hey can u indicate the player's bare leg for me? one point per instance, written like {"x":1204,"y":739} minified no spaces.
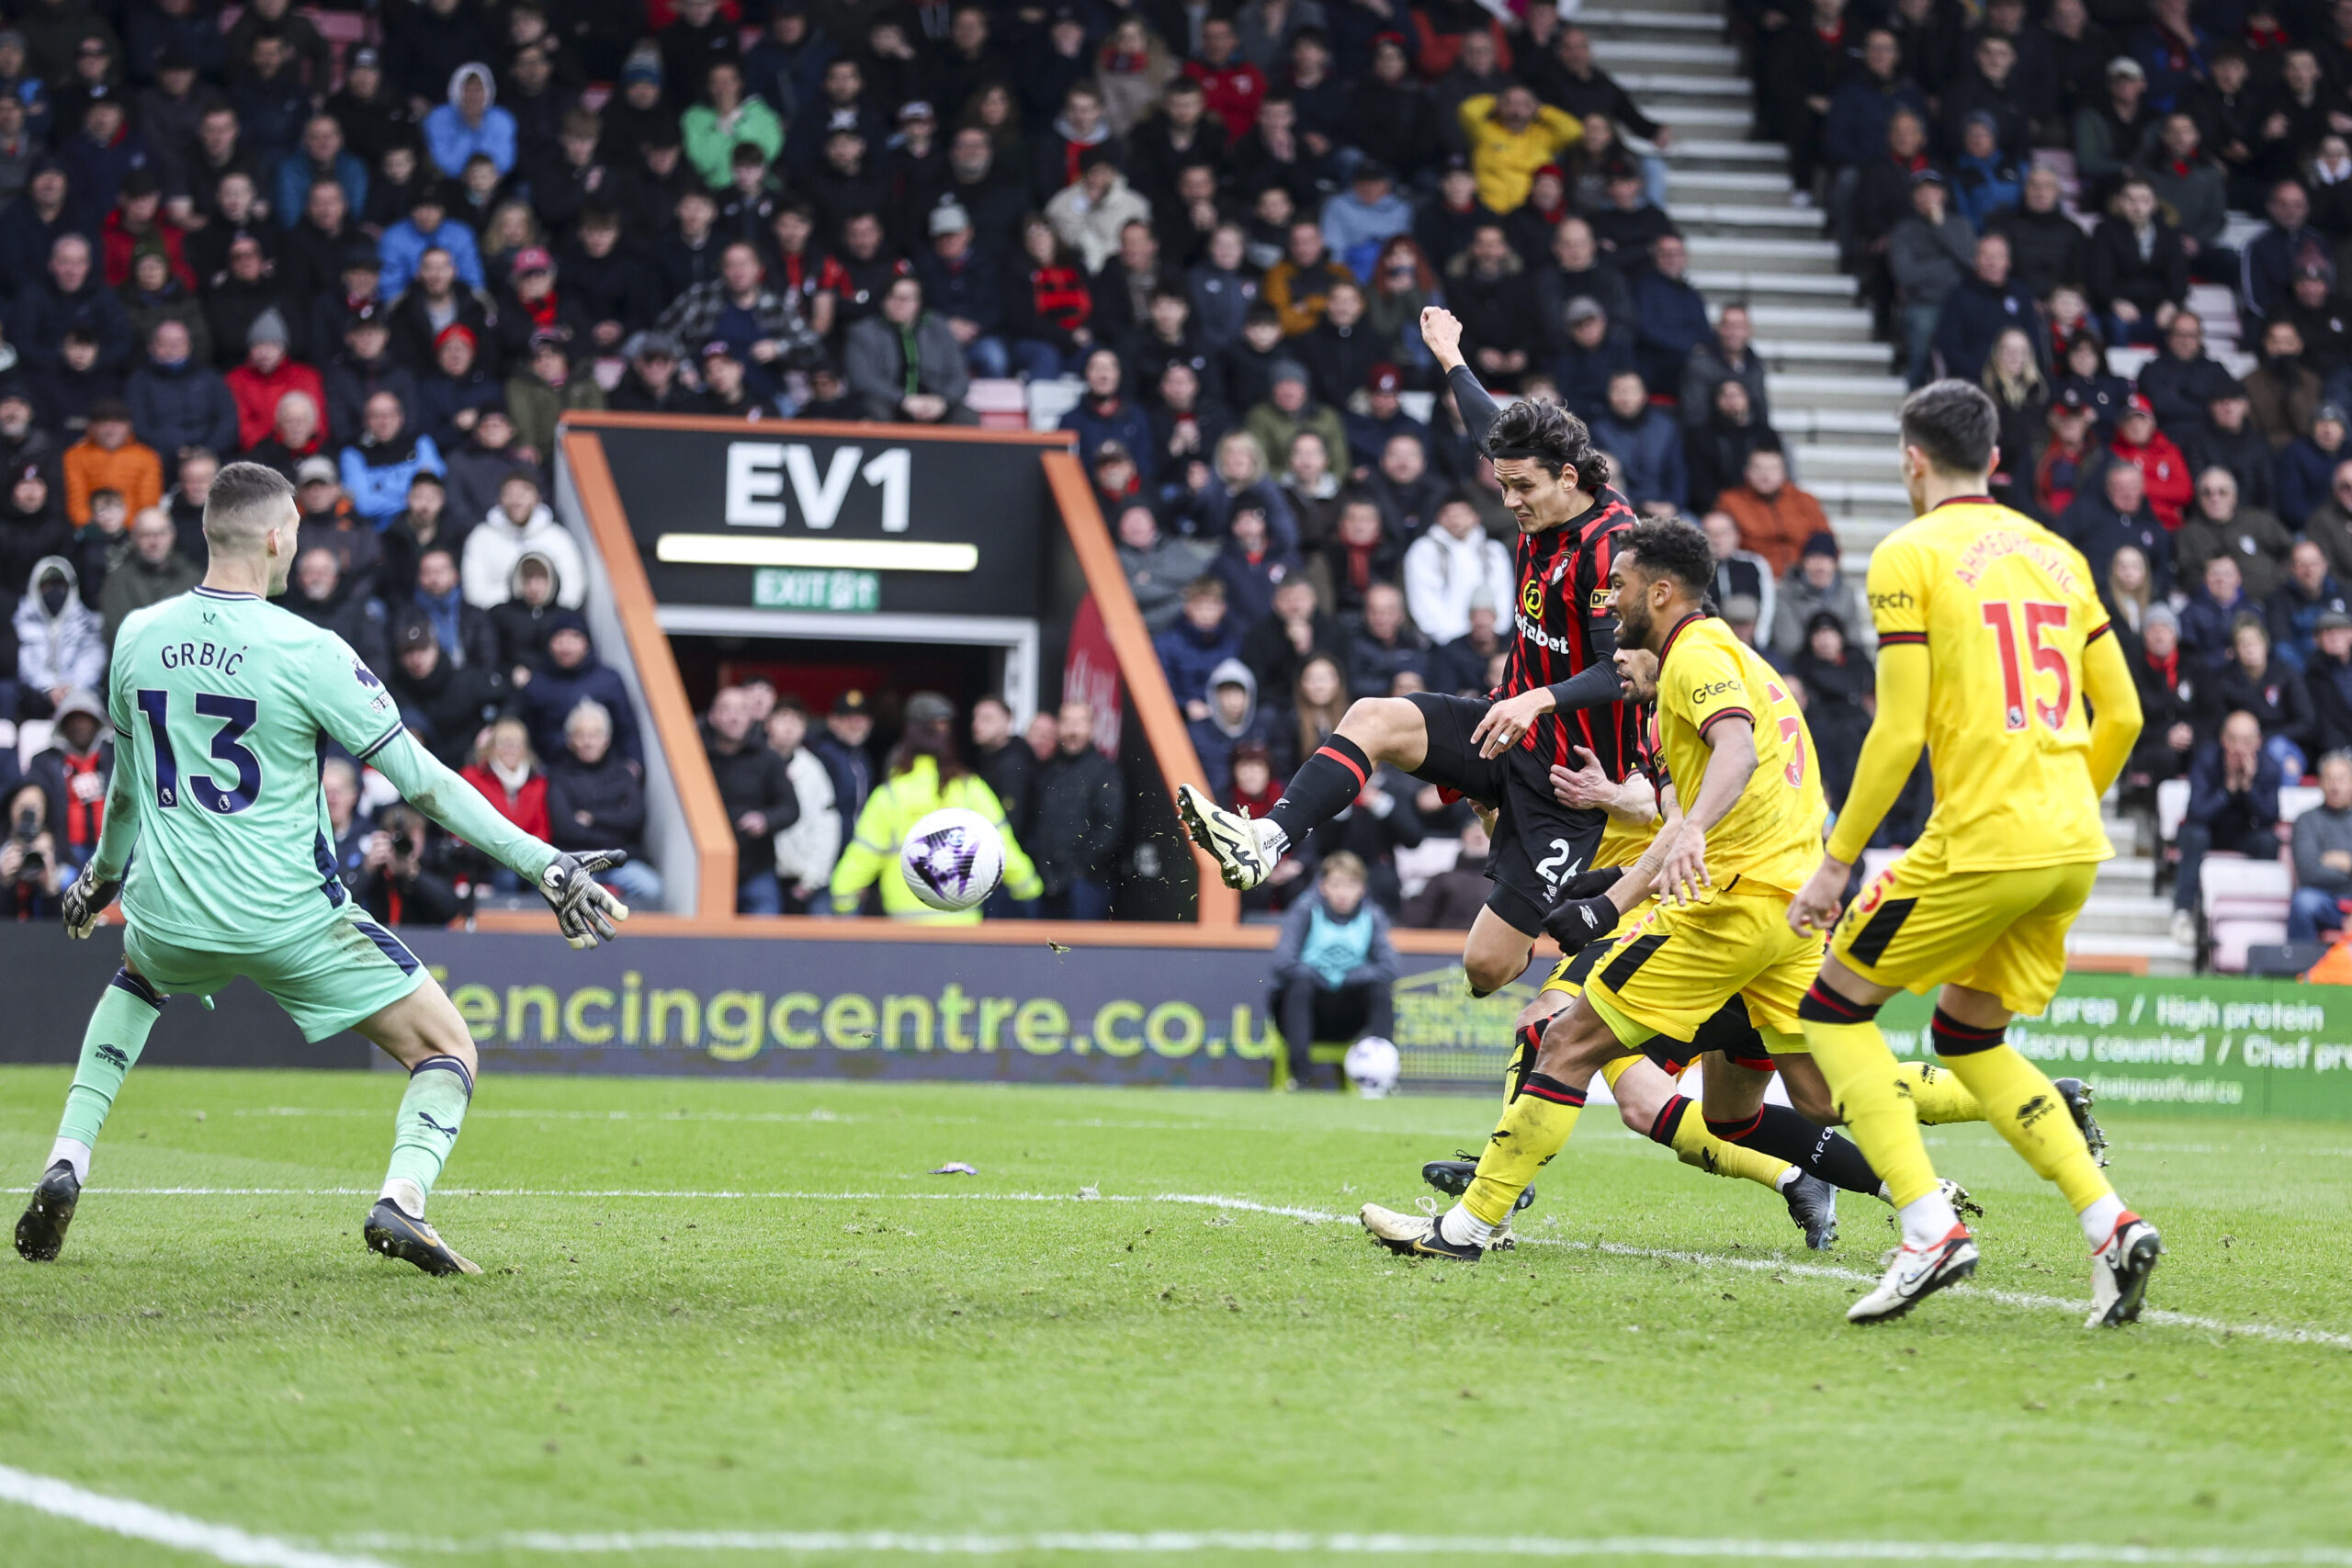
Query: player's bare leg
{"x":117,"y":1033}
{"x":1373,"y":731}
{"x":422,"y":1032}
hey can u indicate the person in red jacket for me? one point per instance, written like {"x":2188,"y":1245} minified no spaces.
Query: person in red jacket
{"x":2139,"y":443}
{"x":267,"y":375}
{"x":507,"y":772}
{"x":1232,"y":87}
{"x":136,"y":226}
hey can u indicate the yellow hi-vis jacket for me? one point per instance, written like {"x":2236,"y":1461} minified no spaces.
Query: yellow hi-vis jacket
{"x":896,"y":805}
{"x":1505,"y":160}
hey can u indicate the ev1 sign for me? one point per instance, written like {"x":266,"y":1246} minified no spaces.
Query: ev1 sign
{"x":757,"y":472}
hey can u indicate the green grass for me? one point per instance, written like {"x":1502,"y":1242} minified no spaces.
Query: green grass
{"x":912,"y":1364}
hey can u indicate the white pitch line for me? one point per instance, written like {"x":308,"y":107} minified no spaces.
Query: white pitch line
{"x":2276,"y":1333}
{"x":1307,"y":1544}
{"x":120,"y":1516}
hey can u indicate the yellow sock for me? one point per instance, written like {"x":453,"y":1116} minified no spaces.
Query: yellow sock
{"x":1937,"y":1095}
{"x":1686,"y":1128}
{"x":2019,"y":1101}
{"x":1861,"y":1072}
{"x":1534,"y":1127}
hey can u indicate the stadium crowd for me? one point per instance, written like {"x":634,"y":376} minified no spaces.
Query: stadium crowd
{"x":388,"y":261}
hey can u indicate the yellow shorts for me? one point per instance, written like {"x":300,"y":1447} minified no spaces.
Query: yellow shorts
{"x":1676,"y":966}
{"x":1567,"y":975}
{"x":1919,"y":925}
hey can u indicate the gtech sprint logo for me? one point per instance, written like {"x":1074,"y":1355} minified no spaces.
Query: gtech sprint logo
{"x":1898,"y":600}
{"x":1719,"y":689}
{"x":1531,"y":599}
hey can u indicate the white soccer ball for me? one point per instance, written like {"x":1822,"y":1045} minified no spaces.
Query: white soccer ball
{"x":1374,"y":1065}
{"x":952,"y":858}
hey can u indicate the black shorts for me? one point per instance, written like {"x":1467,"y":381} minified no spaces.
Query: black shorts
{"x":1539,"y":843}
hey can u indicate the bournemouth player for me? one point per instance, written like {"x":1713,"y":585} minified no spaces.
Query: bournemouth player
{"x":1733,"y":736}
{"x":1992,"y":645}
{"x":1559,"y":690}
{"x":223,"y":706}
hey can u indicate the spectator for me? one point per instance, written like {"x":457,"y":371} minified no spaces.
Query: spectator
{"x":70,"y":294}
{"x":72,"y":772}
{"x":2208,"y":619}
{"x":377,"y":471}
{"x":1341,"y":351}
{"x":1729,"y":355}
{"x":1740,"y":572}
{"x":1334,"y":966}
{"x":507,"y":772}
{"x":109,"y":457}
{"x":153,"y":571}
{"x":2045,"y":246}
{"x":1451,"y":901}
{"x":1717,"y":453}
{"x":2168,"y":691}
{"x":1927,"y":254}
{"x":1671,"y":317}
{"x":1882,"y":194}
{"x":400,"y":879}
{"x":922,"y":774}
{"x":470,"y":124}
{"x":1385,"y":646}
{"x":2219,"y":526}
{"x":428,"y":227}
{"x":2329,"y":681}
{"x":321,"y":595}
{"x":2164,"y":471}
{"x":2110,"y":131}
{"x":2182,"y":380}
{"x":1448,"y":566}
{"x":1360,"y":554}
{"x":1253,"y":567}
{"x":261,"y":384}
{"x":1105,"y":415}
{"x":1840,"y":689}
{"x":469,"y":637}
{"x":2136,"y":266}
{"x":1487,"y":286}
{"x":756,"y":793}
{"x":1407,"y":494}
{"x":1310,"y":488}
{"x":2324,"y":854}
{"x":520,"y":521}
{"x":1813,"y":587}
{"x":2297,"y":606}
{"x":1297,"y":630}
{"x":725,"y":120}
{"x":1289,"y":411}
{"x":537,"y":399}
{"x":2072,"y":455}
{"x":2329,"y":524}
{"x":447,"y":706}
{"x":570,"y":675}
{"x":1466,"y":666}
{"x":960,"y":279}
{"x":760,"y":322}
{"x":31,"y":528}
{"x":1510,"y":135}
{"x":2085,"y":370}
{"x":2227,"y":439}
{"x":2232,"y":804}
{"x":2318,"y":315}
{"x":1089,"y":214}
{"x":2193,"y":189}
{"x":349,"y":827}
{"x":176,"y":402}
{"x":2100,"y":520}
{"x":1361,"y":219}
{"x":2256,"y":683}
{"x":1866,"y":101}
{"x":2022,"y":398}
{"x":1003,"y":761}
{"x":1157,"y":567}
{"x":1078,"y":815}
{"x":1594,"y":354}
{"x":2283,"y":390}
{"x":2287,"y":245}
{"x":806,"y":851}
{"x":32,"y":874}
{"x":1646,"y":441}
{"x":1776,"y":519}
{"x":596,"y":801}
{"x":1205,"y":638}
{"x":2307,"y":465}
{"x":60,"y":642}
{"x":1985,"y":182}
{"x":904,"y":364}
{"x":849,"y":725}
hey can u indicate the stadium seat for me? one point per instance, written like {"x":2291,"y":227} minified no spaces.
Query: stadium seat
{"x":1429,"y":857}
{"x":2296,"y":799}
{"x":2243,"y":901}
{"x":2172,"y":806}
{"x":2233,"y":939}
{"x":2283,"y":960}
{"x":1048,"y":401}
{"x":999,"y":403}
{"x":32,"y":739}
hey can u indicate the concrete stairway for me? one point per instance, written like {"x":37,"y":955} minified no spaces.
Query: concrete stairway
{"x":1834,"y":388}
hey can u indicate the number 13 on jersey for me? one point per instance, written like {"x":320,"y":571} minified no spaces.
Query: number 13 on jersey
{"x":2041,"y":619}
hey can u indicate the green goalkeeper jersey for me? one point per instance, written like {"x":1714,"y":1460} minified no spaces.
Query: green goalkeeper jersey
{"x":223,"y":708}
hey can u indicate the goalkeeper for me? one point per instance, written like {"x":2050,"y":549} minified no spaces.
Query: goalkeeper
{"x":222,"y":706}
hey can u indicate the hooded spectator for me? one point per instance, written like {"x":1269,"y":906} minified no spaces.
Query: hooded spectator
{"x":571,"y":674}
{"x":520,"y":521}
{"x":60,"y":642}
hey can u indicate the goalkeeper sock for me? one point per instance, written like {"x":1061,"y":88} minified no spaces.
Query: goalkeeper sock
{"x":1855,"y":1062}
{"x":434,"y":1109}
{"x":1533,"y":1128}
{"x":118,"y":1032}
{"x":2026,"y":1110}
{"x":1937,"y":1093}
{"x":1321,"y":789}
{"x":1819,"y":1151}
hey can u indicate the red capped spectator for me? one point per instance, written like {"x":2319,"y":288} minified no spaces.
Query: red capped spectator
{"x":2139,"y":443}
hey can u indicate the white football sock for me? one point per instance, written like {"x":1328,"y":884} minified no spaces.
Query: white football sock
{"x":2098,"y":1220}
{"x":1272,"y":838}
{"x":73,"y":1152}
{"x":1927,"y":1221}
{"x":407,"y":1194}
{"x":1463,"y":1228}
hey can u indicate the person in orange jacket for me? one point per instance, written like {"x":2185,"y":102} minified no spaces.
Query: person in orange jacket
{"x":110,"y":458}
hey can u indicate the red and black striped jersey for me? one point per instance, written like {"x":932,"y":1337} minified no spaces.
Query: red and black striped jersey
{"x":1564,"y":623}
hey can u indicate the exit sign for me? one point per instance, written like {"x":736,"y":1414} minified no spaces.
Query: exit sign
{"x":848,"y":592}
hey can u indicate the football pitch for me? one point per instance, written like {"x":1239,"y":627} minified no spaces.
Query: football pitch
{"x":739,"y":1322}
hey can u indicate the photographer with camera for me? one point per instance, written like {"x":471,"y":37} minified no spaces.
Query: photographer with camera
{"x":398,"y":883}
{"x":30,"y":879}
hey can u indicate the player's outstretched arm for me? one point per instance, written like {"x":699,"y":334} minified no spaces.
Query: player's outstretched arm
{"x":584,"y":912}
{"x":1442,"y":331}
{"x":2115,"y":715}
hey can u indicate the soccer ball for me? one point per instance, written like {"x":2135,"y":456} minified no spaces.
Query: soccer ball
{"x":1372,"y":1065}
{"x":952,"y":858}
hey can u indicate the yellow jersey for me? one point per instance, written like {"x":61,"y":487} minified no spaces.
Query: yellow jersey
{"x":1620,"y":843}
{"x":2006,"y":608}
{"x":1771,"y":836}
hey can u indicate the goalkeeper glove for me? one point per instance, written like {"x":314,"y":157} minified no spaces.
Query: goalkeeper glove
{"x":85,"y":900}
{"x":1580,"y":922}
{"x":584,"y":912}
